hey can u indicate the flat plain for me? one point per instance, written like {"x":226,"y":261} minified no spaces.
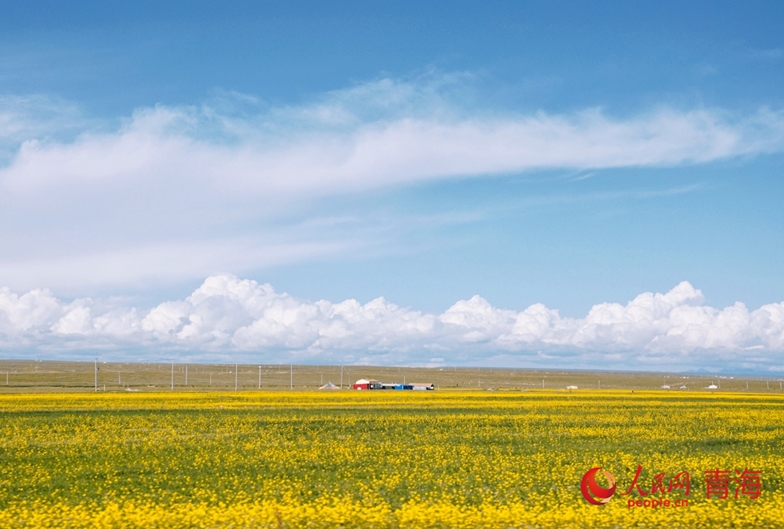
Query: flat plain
{"x":48,"y":376}
{"x":512,"y":457}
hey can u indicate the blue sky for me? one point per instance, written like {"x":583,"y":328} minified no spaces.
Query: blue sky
{"x":555,"y":153}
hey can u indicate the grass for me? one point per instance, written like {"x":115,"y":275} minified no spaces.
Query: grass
{"x":33,"y":376}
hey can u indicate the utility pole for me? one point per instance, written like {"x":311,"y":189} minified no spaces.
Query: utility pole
{"x":341,"y":377}
{"x":259,"y":377}
{"x":291,"y":376}
{"x":172,"y":377}
{"x":235,"y":377}
{"x":186,"y":374}
{"x":96,"y":373}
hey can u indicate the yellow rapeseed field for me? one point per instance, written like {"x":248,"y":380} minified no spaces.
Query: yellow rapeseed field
{"x":383,"y":459}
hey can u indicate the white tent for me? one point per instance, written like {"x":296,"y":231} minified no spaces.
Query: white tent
{"x":329,"y":385}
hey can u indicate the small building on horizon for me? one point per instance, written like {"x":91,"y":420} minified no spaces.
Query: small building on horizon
{"x":364,"y":383}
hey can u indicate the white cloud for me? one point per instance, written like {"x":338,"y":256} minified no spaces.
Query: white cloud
{"x":189,"y":147}
{"x":479,"y":321}
{"x":156,"y":264}
{"x":110,"y":205}
{"x":228,"y":315}
{"x":25,"y":312}
{"x":25,"y":117}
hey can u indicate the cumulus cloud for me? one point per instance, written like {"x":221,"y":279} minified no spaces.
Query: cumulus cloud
{"x":227,"y":315}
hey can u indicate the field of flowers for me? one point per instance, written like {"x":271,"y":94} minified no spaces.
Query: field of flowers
{"x":385,"y":459}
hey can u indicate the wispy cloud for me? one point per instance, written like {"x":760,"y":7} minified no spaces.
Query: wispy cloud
{"x":142,"y":265}
{"x":36,"y":116}
{"x":379,"y":134}
{"x":169,"y":144}
{"x":769,"y":54}
{"x":74,"y":193}
{"x":230,"y":316}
